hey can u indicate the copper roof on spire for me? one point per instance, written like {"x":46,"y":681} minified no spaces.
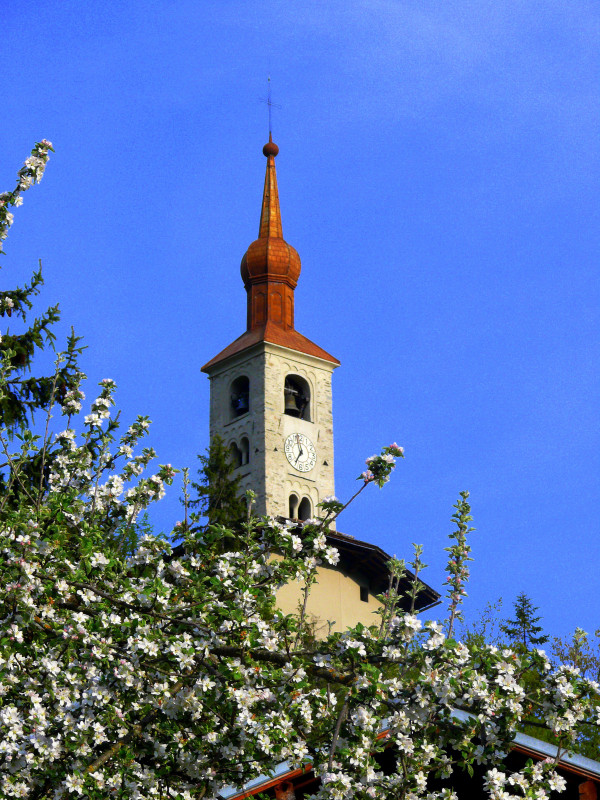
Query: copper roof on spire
{"x":270,"y":257}
{"x":270,"y":213}
{"x":270,"y":270}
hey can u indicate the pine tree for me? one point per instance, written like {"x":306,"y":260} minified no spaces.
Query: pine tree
{"x":24,"y":394}
{"x":523,"y":630}
{"x":218,"y":493}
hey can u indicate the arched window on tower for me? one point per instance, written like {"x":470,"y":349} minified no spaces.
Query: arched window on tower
{"x":293,"y":506}
{"x":304,"y":509}
{"x":240,"y":396}
{"x":235,"y":455}
{"x":296,"y":395}
{"x":245,"y":450}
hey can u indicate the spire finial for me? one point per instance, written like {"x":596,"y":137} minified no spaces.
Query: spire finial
{"x":270,"y":149}
{"x":270,"y":105}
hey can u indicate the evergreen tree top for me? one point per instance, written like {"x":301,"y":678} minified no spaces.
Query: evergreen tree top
{"x":523,"y":629}
{"x":23,"y":393}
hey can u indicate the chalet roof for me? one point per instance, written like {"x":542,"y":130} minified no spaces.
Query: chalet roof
{"x":573,"y":765}
{"x":536,"y":748}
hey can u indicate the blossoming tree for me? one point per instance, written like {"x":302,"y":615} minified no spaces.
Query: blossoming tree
{"x":170,"y":672}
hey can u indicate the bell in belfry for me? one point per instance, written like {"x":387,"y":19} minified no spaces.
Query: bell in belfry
{"x":291,"y":407}
{"x":241,"y":403}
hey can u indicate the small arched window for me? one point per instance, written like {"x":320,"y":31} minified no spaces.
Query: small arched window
{"x":296,"y":395}
{"x":245,"y":450}
{"x":304,"y":509}
{"x":240,"y":396}
{"x":235,"y":455}
{"x":293,"y":506}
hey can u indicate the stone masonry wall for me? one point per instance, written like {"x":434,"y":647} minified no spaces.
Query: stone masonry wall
{"x":266,"y":426}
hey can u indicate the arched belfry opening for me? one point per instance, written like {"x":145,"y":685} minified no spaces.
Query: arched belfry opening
{"x":296,"y":396}
{"x":245,"y":450}
{"x":235,"y":455}
{"x":240,"y":396}
{"x":293,"y":508}
{"x":305,"y":509}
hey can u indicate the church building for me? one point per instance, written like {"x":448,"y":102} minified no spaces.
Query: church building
{"x":271,"y":403}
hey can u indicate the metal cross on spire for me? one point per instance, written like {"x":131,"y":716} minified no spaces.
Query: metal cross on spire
{"x":269,"y":102}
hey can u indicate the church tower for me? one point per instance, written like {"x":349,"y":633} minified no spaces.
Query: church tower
{"x":270,"y":390}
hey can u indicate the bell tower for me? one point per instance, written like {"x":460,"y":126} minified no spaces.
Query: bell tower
{"x":270,"y":390}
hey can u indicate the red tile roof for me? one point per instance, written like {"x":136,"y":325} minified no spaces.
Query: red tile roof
{"x":275,"y":335}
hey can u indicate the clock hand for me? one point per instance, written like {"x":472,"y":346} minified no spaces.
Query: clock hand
{"x":299,"y":454}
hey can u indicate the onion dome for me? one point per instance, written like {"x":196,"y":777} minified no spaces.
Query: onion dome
{"x":270,"y":257}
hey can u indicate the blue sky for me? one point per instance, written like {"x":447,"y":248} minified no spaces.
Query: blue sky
{"x":438,"y":174}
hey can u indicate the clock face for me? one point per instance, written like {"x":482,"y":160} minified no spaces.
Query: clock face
{"x":300,"y":452}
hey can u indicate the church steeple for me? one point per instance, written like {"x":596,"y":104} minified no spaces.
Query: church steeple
{"x":270,"y":389}
{"x":270,"y":270}
{"x":270,"y":267}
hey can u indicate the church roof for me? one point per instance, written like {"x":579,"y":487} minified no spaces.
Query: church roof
{"x":373,"y":562}
{"x":274,"y":334}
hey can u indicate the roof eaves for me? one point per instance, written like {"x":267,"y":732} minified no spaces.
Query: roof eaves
{"x":581,"y":765}
{"x":537,"y":747}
